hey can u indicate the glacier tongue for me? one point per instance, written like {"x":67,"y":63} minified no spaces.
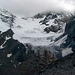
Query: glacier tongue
{"x":37,"y":39}
{"x":30,"y":31}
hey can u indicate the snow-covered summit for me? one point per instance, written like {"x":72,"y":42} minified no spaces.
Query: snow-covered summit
{"x":5,"y":12}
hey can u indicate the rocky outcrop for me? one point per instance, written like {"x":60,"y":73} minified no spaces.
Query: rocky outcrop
{"x":20,"y":58}
{"x":52,"y":28}
{"x":70,"y":31}
{"x":37,"y":16}
{"x":11,"y":48}
{"x":8,"y":34}
{"x":64,"y":66}
{"x":7,"y":17}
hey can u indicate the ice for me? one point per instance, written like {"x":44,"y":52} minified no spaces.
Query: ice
{"x":31,"y":31}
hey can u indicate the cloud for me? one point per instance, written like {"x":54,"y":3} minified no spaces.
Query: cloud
{"x":30,"y":7}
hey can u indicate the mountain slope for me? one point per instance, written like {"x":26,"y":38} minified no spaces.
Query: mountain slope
{"x":33,"y":30}
{"x":64,"y":66}
{"x":28,"y":44}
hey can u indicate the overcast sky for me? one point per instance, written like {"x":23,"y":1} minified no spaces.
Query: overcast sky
{"x":30,"y":7}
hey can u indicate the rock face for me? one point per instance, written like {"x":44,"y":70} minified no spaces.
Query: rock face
{"x":59,"y":21}
{"x":52,"y":28}
{"x":7,"y":17}
{"x":20,"y":58}
{"x":66,"y":65}
{"x":38,"y":16}
{"x":48,"y":17}
{"x":9,"y":33}
{"x":70,"y":31}
{"x":9,"y":46}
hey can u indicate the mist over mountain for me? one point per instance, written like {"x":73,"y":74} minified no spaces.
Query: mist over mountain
{"x":31,"y":7}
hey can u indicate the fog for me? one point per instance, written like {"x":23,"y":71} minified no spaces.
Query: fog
{"x":31,"y":7}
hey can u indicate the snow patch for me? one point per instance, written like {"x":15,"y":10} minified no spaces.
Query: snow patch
{"x":11,"y":60}
{"x":9,"y":55}
{"x":3,"y":26}
{"x":19,"y":63}
{"x":14,"y":65}
{"x":1,"y":47}
{"x":7,"y":38}
{"x":66,"y":51}
{"x":18,"y":47}
{"x":0,"y":64}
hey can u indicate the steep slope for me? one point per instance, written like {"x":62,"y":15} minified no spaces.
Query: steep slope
{"x":17,"y":58}
{"x":28,"y":44}
{"x":70,"y":31}
{"x":33,"y":30}
{"x":66,"y":65}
